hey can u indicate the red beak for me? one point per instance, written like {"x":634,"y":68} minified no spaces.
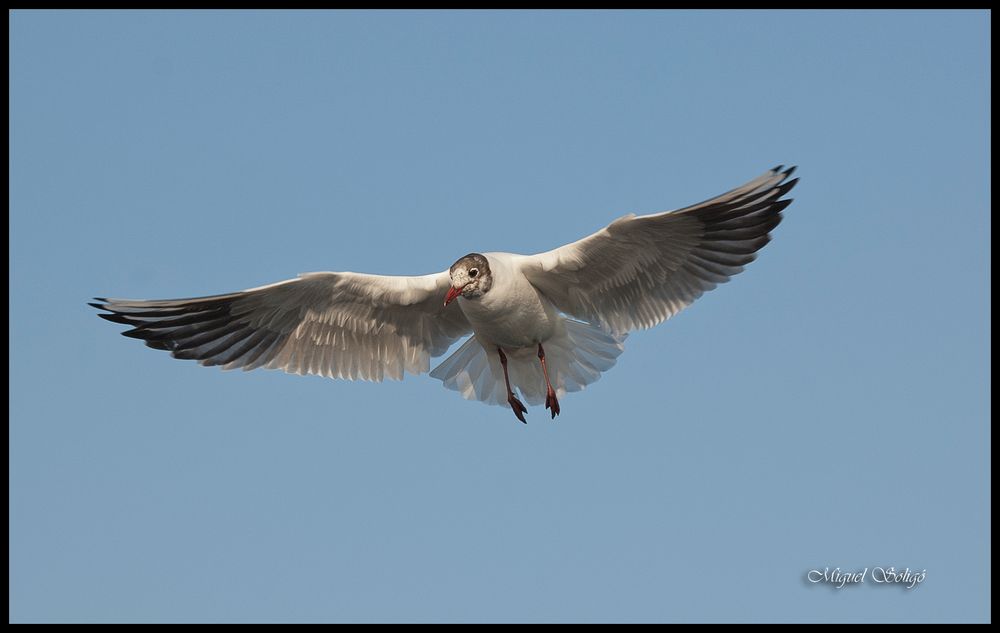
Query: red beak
{"x":452,"y":294}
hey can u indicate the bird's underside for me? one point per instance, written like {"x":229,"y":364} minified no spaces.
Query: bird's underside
{"x":543,"y":325}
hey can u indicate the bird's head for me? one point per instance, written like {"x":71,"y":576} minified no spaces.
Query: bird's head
{"x":470,"y":278}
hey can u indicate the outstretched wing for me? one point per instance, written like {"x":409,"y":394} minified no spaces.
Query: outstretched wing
{"x":340,"y":325}
{"x":640,"y":271}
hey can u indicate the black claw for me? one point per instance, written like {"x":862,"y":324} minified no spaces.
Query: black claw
{"x":518,"y":408}
{"x":553,"y":404}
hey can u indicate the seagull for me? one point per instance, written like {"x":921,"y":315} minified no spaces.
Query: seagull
{"x":543,"y":325}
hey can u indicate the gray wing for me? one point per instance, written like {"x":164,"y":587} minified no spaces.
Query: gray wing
{"x":640,"y":271}
{"x":340,"y":325}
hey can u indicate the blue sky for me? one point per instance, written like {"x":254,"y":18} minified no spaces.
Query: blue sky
{"x":827,"y":408}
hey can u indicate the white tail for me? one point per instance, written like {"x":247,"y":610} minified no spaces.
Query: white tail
{"x":575,"y":357}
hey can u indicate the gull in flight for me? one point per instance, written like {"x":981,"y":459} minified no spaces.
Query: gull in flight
{"x":542,"y":325}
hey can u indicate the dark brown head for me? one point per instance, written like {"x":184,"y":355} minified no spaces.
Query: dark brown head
{"x":470,"y":278}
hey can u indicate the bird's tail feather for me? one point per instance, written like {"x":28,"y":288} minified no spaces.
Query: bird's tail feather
{"x":575,"y":357}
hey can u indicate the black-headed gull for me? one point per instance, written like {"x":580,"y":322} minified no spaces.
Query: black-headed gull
{"x":543,"y":324}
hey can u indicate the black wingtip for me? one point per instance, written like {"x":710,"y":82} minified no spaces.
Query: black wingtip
{"x":116,"y":318}
{"x":99,"y":306}
{"x":778,"y":207}
{"x":788,"y":172}
{"x":778,"y":168}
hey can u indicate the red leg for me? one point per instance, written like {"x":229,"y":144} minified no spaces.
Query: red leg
{"x":515,"y":404}
{"x":550,"y":394}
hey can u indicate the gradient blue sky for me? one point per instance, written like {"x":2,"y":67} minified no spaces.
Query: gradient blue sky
{"x":828,"y":407}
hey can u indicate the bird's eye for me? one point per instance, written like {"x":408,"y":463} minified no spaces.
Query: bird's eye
{"x":473,"y":272}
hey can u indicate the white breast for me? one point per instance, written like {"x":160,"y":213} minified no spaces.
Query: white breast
{"x":513,"y":313}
